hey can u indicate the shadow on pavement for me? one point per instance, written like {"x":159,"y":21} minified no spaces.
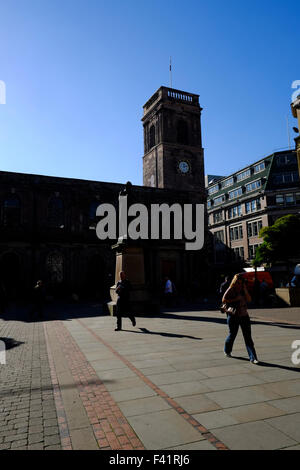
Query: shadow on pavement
{"x":168,"y":335}
{"x":11,"y":343}
{"x":268,"y":364}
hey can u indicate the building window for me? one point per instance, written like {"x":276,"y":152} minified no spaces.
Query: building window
{"x":287,"y":199}
{"x":252,"y":250}
{"x":279,"y":199}
{"x":243,"y":175}
{"x":219,"y":236}
{"x":252,"y":206}
{"x":235,"y":211}
{"x":208,"y":204}
{"x":254,"y":228}
{"x":283,"y":160}
{"x":55,"y":216}
{"x":214,"y":189}
{"x":236,"y":233}
{"x":239,"y":252}
{"x":219,"y":200}
{"x":217,"y":217}
{"x":253,"y":186}
{"x":288,"y":177}
{"x":11,"y":211}
{"x":55,"y":267}
{"x":227,"y":183}
{"x":152,"y":137}
{"x":259,"y":167}
{"x":235,"y":193}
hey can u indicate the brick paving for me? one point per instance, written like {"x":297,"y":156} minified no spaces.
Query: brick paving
{"x":27,"y":406}
{"x":109,"y":425}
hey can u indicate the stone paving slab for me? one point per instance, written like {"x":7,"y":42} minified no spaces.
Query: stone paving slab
{"x":163,"y":429}
{"x":290,"y":425}
{"x":141,"y":406}
{"x":257,"y":435}
{"x":75,"y":383}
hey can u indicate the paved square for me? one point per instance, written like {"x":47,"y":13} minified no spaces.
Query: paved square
{"x":75,"y":383}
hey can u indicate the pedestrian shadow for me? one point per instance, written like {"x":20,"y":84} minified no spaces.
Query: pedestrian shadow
{"x":168,"y":335}
{"x":11,"y":342}
{"x":268,"y":364}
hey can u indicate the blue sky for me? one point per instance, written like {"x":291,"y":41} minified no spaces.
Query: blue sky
{"x":77,"y":73}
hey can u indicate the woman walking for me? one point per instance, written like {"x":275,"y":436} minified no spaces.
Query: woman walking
{"x":237,"y":295}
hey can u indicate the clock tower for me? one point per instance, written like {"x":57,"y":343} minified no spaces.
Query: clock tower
{"x":173,"y":153}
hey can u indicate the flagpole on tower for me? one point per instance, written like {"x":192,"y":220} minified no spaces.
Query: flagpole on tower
{"x":170,"y":72}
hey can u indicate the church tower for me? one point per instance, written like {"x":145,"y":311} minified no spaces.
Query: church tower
{"x":173,"y":153}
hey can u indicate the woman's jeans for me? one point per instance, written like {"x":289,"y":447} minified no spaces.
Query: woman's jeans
{"x":234,"y":322}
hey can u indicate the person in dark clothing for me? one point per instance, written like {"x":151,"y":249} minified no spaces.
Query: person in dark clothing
{"x":224,"y":286}
{"x":123,"y":302}
{"x":38,"y":299}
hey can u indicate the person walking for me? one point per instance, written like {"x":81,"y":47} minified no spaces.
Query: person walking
{"x":168,"y":291}
{"x":224,"y":286}
{"x":123,"y":304}
{"x":237,"y":295}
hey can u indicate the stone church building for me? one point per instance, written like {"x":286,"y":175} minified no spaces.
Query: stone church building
{"x":48,"y":224}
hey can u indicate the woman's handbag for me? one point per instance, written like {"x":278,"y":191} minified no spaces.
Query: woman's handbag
{"x":226,"y":308}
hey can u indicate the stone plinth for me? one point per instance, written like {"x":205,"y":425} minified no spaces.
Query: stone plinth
{"x":130,"y":259}
{"x":289,"y":295}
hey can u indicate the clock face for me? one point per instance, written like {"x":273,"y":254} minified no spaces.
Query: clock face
{"x":184,"y":167}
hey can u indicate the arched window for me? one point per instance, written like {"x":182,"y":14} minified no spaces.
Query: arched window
{"x":11,"y":211}
{"x":152,"y":136}
{"x":55,"y":267}
{"x":55,"y":215}
{"x":182,"y":132}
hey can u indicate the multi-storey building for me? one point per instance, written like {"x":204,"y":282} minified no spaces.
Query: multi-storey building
{"x":240,"y":204}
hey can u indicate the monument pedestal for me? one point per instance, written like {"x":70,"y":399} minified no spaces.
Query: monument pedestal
{"x":130,"y":259}
{"x":289,"y":295}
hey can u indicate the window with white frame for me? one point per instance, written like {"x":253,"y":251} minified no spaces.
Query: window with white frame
{"x":235,"y":193}
{"x":259,"y":167}
{"x":236,"y":232}
{"x":227,"y":183}
{"x":239,"y":252}
{"x":219,"y":200}
{"x":214,"y":189}
{"x":253,"y":228}
{"x":252,"y":206}
{"x":243,"y":175}
{"x":253,"y":186}
{"x":235,"y":211}
{"x":217,"y":216}
{"x":252,"y":250}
